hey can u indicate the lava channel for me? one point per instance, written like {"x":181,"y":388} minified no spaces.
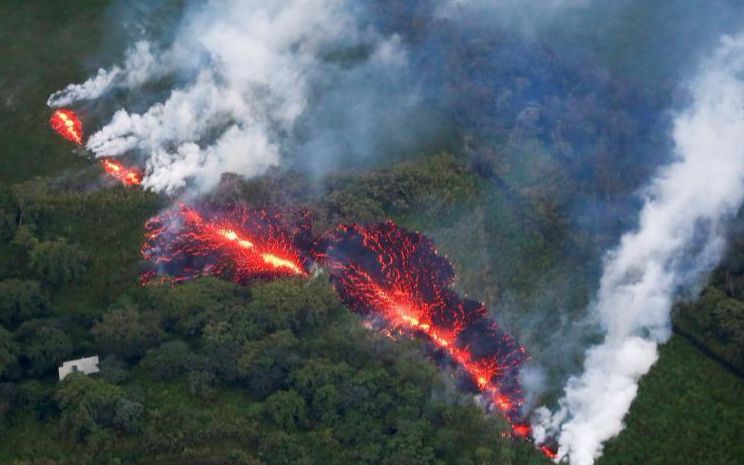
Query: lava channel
{"x":237,"y":242}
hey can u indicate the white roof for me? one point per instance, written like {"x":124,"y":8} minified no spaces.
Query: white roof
{"x":88,"y":365}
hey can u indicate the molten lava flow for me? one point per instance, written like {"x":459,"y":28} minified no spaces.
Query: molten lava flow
{"x":397,"y":280}
{"x":239,"y":242}
{"x":67,"y":124}
{"x":394,"y":278}
{"x":123,"y":174}
{"x":549,"y":452}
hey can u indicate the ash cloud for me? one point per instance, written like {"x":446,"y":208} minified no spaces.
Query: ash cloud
{"x":679,"y":239}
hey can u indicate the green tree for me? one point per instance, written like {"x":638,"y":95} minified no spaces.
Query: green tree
{"x":24,"y":238}
{"x":127,"y":415}
{"x":21,"y":301}
{"x":326,"y":404}
{"x":286,"y":409}
{"x":188,"y":308}
{"x":7,"y":400}
{"x":57,"y":262}
{"x":201,"y":383}
{"x":35,"y":397}
{"x":8,"y":353}
{"x":43,"y":346}
{"x":127,"y":333}
{"x":717,"y":321}
{"x":292,"y":304}
{"x":8,"y":213}
{"x":114,"y":370}
{"x":169,"y":360}
{"x":88,"y":405}
{"x":263,"y":365}
{"x":32,"y":199}
{"x":409,"y":445}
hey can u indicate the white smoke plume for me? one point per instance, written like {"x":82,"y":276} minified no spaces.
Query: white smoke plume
{"x":247,"y":70}
{"x":679,"y":239}
{"x":139,"y":66}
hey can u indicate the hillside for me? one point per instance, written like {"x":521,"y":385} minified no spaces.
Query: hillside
{"x":273,"y":372}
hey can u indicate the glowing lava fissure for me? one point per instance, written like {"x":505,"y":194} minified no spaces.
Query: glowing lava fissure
{"x":67,"y":124}
{"x":236,"y":242}
{"x":392,"y":277}
{"x":396,"y":279}
{"x":129,"y":176}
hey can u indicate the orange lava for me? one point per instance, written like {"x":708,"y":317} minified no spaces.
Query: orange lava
{"x":125,"y":175}
{"x":401,"y":312}
{"x":548,"y":452}
{"x":66,"y":123}
{"x":189,"y":242}
{"x":397,"y":280}
{"x":393,"y":278}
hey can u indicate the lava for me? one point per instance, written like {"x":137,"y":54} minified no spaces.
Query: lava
{"x":398,"y":281}
{"x":237,"y":242}
{"x":67,"y":124}
{"x":392,"y":277}
{"x":549,"y":452}
{"x":125,"y":175}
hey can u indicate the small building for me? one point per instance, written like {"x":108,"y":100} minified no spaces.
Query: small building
{"x":87,"y":366}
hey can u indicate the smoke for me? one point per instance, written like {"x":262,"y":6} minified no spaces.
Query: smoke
{"x":139,"y":66}
{"x":678,"y":239}
{"x":243,"y":74}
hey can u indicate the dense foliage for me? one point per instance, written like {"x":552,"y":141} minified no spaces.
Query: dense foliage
{"x":716,"y":320}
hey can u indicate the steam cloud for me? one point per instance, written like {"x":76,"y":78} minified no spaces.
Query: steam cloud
{"x":679,"y":238}
{"x":140,"y":65}
{"x":247,"y":70}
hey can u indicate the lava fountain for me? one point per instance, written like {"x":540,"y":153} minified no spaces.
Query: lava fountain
{"x":397,"y":281}
{"x":393,"y":278}
{"x":129,"y":176}
{"x":67,"y":124}
{"x":236,"y":242}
